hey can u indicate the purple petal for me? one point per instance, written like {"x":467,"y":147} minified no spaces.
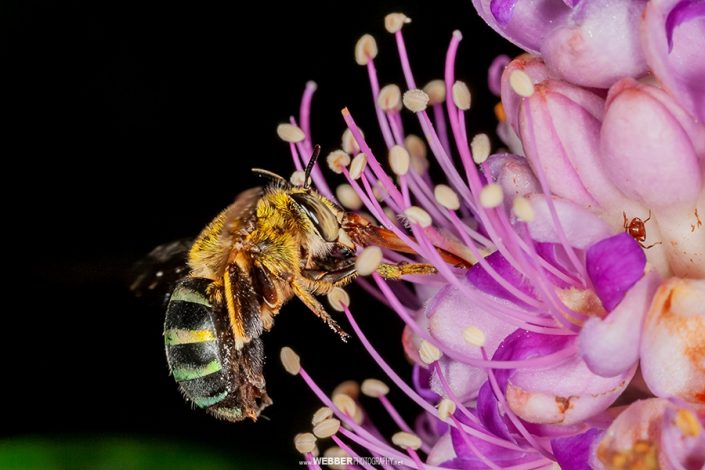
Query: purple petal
{"x":502,"y":10}
{"x":610,"y":346}
{"x":675,"y":54}
{"x":571,"y":3}
{"x":479,"y":277}
{"x":599,"y":44}
{"x":614,"y":265}
{"x":489,"y":415}
{"x":494,"y":74}
{"x":421,"y":379}
{"x":683,"y":12}
{"x":573,"y":453}
{"x":468,"y":459}
{"x":524,"y":23}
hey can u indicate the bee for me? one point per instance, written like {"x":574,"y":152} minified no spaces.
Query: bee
{"x":271,"y":244}
{"x":636,"y":228}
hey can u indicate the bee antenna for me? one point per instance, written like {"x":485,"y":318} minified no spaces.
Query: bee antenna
{"x":311,"y":164}
{"x":268,"y":174}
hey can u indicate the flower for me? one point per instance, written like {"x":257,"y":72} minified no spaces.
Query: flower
{"x":520,"y":359}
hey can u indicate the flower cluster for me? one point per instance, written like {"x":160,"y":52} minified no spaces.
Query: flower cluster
{"x":577,"y":338}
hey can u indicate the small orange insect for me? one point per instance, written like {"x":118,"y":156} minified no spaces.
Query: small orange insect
{"x":637,"y":229}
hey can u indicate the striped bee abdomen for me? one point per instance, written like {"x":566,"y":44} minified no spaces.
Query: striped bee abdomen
{"x":193,"y":348}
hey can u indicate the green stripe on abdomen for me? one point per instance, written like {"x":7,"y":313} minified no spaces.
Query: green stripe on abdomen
{"x":183,"y":373}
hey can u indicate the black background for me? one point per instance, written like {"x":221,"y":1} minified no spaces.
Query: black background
{"x":132,"y":124}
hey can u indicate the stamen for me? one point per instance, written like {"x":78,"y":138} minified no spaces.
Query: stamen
{"x":446,"y":197}
{"x":349,"y":387}
{"x":345,"y":404}
{"x":419,"y":216}
{"x":337,"y":160}
{"x":491,"y":196}
{"x":305,"y":442}
{"x":393,"y":22}
{"x":406,"y":440}
{"x":436,"y":91}
{"x":365,"y":49}
{"x":338,"y":299}
{"x":348,"y":197}
{"x":418,"y":153}
{"x":348,"y":142}
{"x":290,"y":133}
{"x":336,"y":453}
{"x":368,"y":260}
{"x":416,"y":100}
{"x":297,"y":178}
{"x":474,"y":336}
{"x":461,"y":95}
{"x":521,"y":83}
{"x":358,"y":165}
{"x":326,"y":428}
{"x":480,"y":147}
{"x":446,"y":408}
{"x":523,"y":209}
{"x":389,"y":98}
{"x":399,"y":160}
{"x":374,"y":388}
{"x":429,"y":353}
{"x":322,"y":414}
{"x":290,"y":360}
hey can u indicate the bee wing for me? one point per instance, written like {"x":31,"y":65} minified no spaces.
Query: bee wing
{"x":363,"y":233}
{"x":161,"y":269}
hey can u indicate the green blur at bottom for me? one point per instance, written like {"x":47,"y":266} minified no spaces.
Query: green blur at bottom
{"x":116,"y":453}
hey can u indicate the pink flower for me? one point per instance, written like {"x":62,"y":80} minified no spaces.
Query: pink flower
{"x":519,"y":359}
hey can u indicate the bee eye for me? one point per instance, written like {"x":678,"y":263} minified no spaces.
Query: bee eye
{"x":323,"y":220}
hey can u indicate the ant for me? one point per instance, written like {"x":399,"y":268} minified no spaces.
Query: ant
{"x":637,"y":229}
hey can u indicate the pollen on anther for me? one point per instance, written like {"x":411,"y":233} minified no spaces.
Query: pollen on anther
{"x":419,"y":216}
{"x":358,"y":165}
{"x":337,"y":454}
{"x":348,"y":387}
{"x":474,"y":336}
{"x":461,"y":95}
{"x":491,"y":196}
{"x":521,"y":83}
{"x":365,"y":49}
{"x":687,"y":423}
{"x":326,"y":428}
{"x":297,"y":178}
{"x":348,"y":197}
{"x":389,"y":98}
{"x":480,"y":147}
{"x":322,"y":414}
{"x":418,"y":152}
{"x":337,"y":160}
{"x":436,"y":91}
{"x":368,"y":260}
{"x":290,"y":133}
{"x":416,"y":100}
{"x":305,"y":442}
{"x":399,"y":160}
{"x":374,"y":388}
{"x":345,"y":404}
{"x":446,"y":197}
{"x":338,"y":299}
{"x":406,"y":440}
{"x":290,"y":360}
{"x":523,"y":209}
{"x":429,"y":353}
{"x":348,"y":142}
{"x":446,"y":408}
{"x":393,"y":22}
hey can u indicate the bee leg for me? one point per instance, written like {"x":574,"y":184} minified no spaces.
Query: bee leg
{"x":315,"y":306}
{"x":396,"y":271}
